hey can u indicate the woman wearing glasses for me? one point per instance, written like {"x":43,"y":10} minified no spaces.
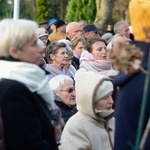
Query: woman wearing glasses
{"x":64,"y":91}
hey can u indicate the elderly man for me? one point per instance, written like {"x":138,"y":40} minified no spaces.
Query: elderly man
{"x":122,"y":27}
{"x":73,"y":29}
{"x":91,"y":31}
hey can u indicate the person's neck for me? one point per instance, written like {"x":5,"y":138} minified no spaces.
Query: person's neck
{"x":57,"y":65}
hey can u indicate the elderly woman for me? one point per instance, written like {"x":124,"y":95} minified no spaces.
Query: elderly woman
{"x":94,"y":58}
{"x":26,"y":99}
{"x":93,"y":125}
{"x":57,"y":56}
{"x":64,"y":91}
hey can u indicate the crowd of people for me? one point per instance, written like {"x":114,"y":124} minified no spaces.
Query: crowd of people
{"x":59,"y":89}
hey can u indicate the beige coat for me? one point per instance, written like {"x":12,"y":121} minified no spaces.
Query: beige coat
{"x":85,"y":128}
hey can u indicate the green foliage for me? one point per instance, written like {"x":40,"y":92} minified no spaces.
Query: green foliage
{"x":6,"y":10}
{"x":81,"y":10}
{"x":42,"y":11}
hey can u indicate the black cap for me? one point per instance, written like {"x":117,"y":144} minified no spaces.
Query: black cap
{"x":60,"y":23}
{"x":91,"y":27}
{"x":43,"y":22}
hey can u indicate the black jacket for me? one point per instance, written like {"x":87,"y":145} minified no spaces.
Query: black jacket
{"x":67,"y":111}
{"x":26,"y":119}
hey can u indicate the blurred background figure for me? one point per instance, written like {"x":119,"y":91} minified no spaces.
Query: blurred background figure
{"x":107,"y":37}
{"x":64,"y":91}
{"x":73,"y":29}
{"x":44,"y":24}
{"x":42,"y":34}
{"x":93,"y":125}
{"x":59,"y":32}
{"x":78,"y":45}
{"x":90,"y":31}
{"x":82,"y":24}
{"x":122,"y":27}
{"x":52,"y":25}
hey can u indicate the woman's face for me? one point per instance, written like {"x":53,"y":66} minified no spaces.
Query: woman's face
{"x":79,"y":48}
{"x":60,"y":58}
{"x":67,"y":93}
{"x":105,"y":103}
{"x":99,"y":50}
{"x":31,"y":52}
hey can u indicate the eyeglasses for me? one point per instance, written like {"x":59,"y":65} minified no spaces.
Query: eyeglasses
{"x":70,"y":90}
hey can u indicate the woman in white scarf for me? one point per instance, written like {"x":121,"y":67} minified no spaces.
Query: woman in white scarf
{"x":26,"y":99}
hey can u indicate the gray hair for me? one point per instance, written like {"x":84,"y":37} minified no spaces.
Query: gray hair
{"x":57,"y":81}
{"x":118,"y":26}
{"x":15,"y":34}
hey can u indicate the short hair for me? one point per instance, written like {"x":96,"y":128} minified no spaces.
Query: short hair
{"x":114,"y":38}
{"x":76,"y":39}
{"x":117,"y":26}
{"x":57,"y":81}
{"x":69,"y":26}
{"x":91,"y":41}
{"x":53,"y":48}
{"x":16,"y":34}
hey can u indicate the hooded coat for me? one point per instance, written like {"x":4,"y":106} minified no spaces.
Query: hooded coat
{"x":86,"y":128}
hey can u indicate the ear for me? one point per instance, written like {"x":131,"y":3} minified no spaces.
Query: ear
{"x":13,"y":52}
{"x":52,"y":56}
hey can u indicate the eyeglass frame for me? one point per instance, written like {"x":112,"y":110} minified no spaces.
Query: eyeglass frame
{"x":70,"y":90}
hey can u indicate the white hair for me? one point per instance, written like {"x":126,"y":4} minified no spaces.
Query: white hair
{"x":117,"y":26}
{"x":57,"y":81}
{"x":15,"y":34}
{"x":70,"y":25}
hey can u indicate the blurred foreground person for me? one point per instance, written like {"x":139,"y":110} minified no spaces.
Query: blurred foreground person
{"x":131,"y":86}
{"x":26,"y":100}
{"x":93,"y":125}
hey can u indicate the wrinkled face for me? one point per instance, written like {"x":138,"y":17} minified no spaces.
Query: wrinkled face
{"x":99,"y":50}
{"x":60,"y":58}
{"x":31,"y":52}
{"x":68,"y":98}
{"x":79,"y":48}
{"x":75,"y":30}
{"x":125,"y":31}
{"x":105,"y":103}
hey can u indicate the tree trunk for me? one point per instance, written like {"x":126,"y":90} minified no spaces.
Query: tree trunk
{"x":104,"y":13}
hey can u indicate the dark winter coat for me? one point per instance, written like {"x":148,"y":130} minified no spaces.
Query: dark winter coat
{"x":26,"y":119}
{"x":128,"y":105}
{"x":67,"y":111}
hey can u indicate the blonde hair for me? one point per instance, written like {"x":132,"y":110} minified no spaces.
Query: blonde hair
{"x":76,"y":39}
{"x":15,"y":34}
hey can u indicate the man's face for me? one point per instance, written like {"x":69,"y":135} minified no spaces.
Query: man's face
{"x":125,"y":31}
{"x":74,"y":30}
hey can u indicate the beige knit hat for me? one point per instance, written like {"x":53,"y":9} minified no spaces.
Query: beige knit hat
{"x":139,"y":15}
{"x":105,"y":88}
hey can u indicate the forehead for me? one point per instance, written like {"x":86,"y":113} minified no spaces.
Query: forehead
{"x":99,"y":43}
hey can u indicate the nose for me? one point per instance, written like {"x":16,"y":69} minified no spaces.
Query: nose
{"x":111,"y":100}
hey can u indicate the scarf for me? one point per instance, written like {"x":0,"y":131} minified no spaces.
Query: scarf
{"x":31,"y":75}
